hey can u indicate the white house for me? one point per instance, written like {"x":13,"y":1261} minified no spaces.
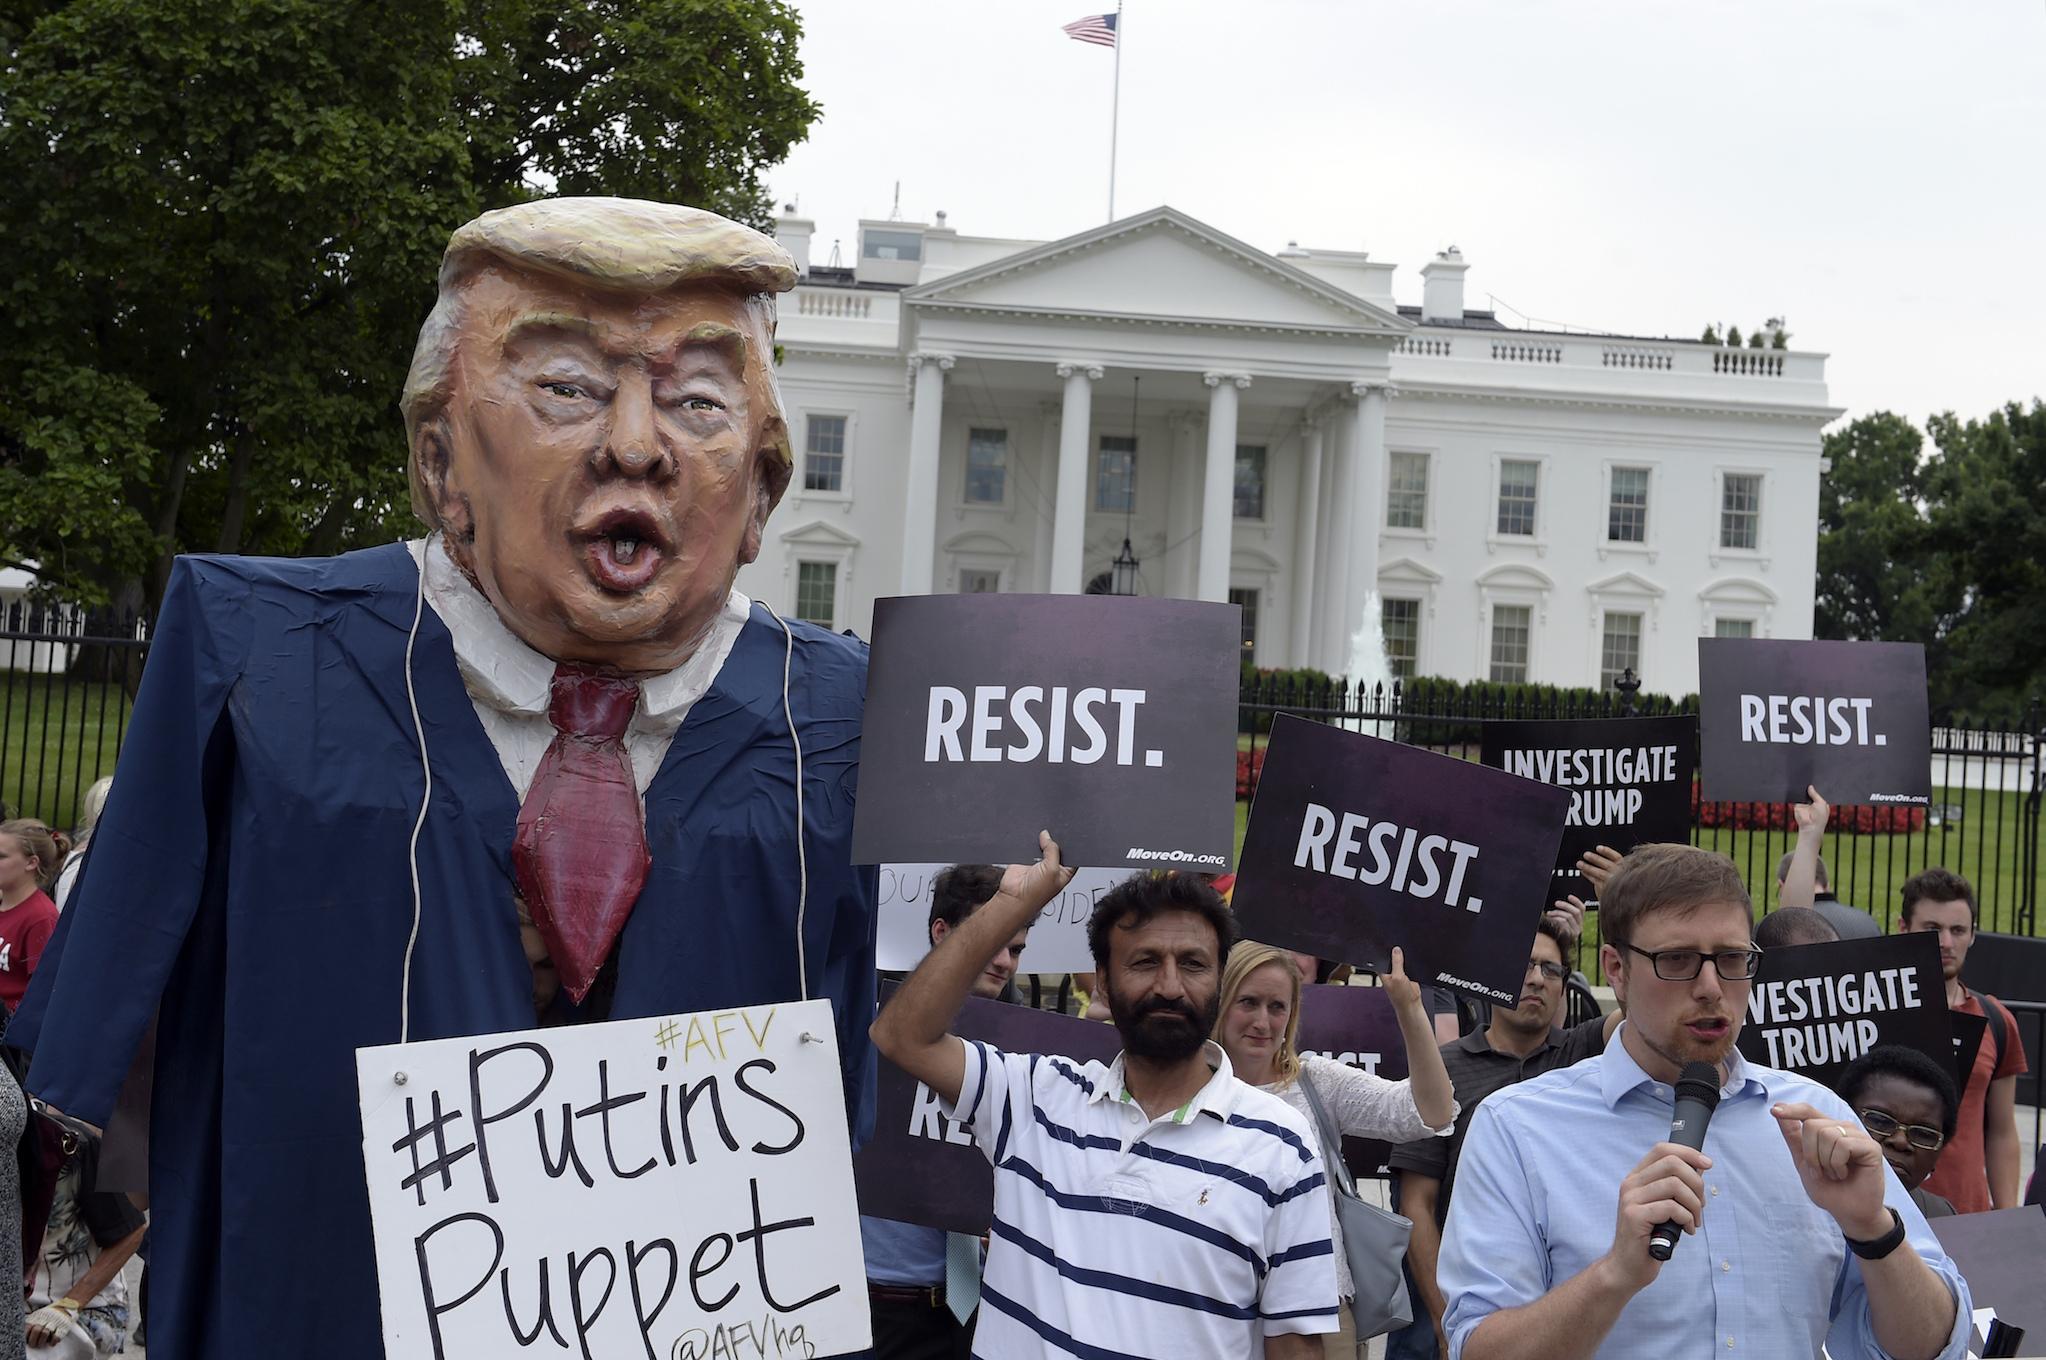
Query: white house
{"x":978,"y":414}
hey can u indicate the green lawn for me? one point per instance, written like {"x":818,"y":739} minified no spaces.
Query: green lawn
{"x":56,"y":737}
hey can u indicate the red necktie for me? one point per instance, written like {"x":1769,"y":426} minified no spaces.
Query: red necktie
{"x":580,"y":855}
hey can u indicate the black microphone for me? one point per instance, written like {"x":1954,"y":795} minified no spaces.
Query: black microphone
{"x":1697,"y":1098}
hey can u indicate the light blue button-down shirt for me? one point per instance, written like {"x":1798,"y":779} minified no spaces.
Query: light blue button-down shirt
{"x":1767,"y":1274}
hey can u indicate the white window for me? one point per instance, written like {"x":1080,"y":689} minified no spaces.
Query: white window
{"x":1406,"y":497}
{"x":1511,"y":626}
{"x":824,"y":453}
{"x":1115,"y":474}
{"x":1519,"y":485}
{"x":817,"y":593}
{"x":987,"y":467}
{"x":979,"y":581}
{"x":1248,"y":600}
{"x":1733,"y":628}
{"x":1400,"y":621}
{"x":1250,"y":481}
{"x":1740,"y":510}
{"x":1627,"y":506}
{"x":891,"y":245}
{"x":1620,"y":651}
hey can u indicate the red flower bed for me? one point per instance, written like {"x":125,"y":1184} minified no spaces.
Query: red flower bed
{"x":1249,"y":765}
{"x":1852,"y":819}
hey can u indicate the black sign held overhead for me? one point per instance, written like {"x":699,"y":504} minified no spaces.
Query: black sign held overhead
{"x":1847,"y":717}
{"x":922,"y":1166}
{"x":1814,"y":1008}
{"x":1629,"y":780}
{"x":1356,"y":845}
{"x":1109,"y":721}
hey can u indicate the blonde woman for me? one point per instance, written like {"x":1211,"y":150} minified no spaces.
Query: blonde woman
{"x":1259,"y":1028}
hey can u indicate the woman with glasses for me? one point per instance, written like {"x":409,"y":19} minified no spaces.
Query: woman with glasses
{"x":1908,"y":1104}
{"x":1259,"y":1028}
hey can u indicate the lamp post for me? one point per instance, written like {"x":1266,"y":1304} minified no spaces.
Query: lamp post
{"x":1123,"y":571}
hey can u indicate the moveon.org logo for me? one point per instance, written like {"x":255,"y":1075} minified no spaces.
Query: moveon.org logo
{"x":1173,"y":856}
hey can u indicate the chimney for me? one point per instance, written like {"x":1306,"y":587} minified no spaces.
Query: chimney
{"x":1442,"y":287}
{"x":792,"y":233}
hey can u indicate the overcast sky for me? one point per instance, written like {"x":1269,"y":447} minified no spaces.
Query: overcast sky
{"x":1871,"y":170}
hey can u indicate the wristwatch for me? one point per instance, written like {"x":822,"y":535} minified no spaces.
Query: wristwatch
{"x":1876,"y":1248}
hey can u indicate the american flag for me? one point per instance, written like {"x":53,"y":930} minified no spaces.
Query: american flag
{"x":1095,"y":28}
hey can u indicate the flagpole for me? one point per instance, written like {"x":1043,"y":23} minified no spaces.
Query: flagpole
{"x":1115,"y":110}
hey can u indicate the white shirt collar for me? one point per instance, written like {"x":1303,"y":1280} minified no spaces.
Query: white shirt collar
{"x":500,"y":670}
{"x":1218,"y":1097}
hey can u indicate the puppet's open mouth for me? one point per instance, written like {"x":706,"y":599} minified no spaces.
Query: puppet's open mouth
{"x":623,"y":550}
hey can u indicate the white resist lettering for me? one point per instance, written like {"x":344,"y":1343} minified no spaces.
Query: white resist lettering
{"x":1379,"y":852}
{"x":1059,"y":725}
{"x":1807,"y":720}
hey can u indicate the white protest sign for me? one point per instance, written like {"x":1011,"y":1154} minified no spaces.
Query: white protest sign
{"x":1058,"y":942}
{"x":677,"y":1188}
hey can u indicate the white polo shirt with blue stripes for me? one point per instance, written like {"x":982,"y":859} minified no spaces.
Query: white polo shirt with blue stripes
{"x":1118,"y":1235}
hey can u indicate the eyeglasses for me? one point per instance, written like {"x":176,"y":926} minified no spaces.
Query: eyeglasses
{"x":1882,"y":1125}
{"x":1681,"y":965}
{"x":1552,"y":971}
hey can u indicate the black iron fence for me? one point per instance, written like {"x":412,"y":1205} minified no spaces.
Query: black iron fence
{"x":67,"y":682}
{"x":1983,"y":823}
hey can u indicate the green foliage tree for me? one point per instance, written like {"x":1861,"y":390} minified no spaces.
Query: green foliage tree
{"x":223,"y":219}
{"x":1988,"y":495}
{"x":1711,"y":335}
{"x":1733,"y":336}
{"x":1875,"y":544}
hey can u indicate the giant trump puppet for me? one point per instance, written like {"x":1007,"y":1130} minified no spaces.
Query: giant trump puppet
{"x":553,"y":714}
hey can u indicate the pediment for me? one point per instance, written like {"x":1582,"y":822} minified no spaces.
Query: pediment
{"x":1407,"y":571}
{"x":1515,"y":576}
{"x":979,"y":543}
{"x":818,"y":533}
{"x":1738,"y":590}
{"x":1625,"y":583}
{"x":1159,"y":266}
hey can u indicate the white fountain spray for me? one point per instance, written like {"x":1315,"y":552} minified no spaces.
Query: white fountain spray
{"x":1368,"y":669}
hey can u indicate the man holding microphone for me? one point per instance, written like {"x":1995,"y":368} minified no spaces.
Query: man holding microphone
{"x":1794,"y":1232}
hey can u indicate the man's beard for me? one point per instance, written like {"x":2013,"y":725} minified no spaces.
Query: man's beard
{"x":1163,"y":1029}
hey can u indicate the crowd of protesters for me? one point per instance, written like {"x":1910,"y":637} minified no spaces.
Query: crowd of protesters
{"x":1529,"y":1158}
{"x":64,"y":1236}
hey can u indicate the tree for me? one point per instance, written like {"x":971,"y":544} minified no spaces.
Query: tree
{"x":1733,"y":336}
{"x":1875,"y":545}
{"x":1711,"y":335}
{"x":223,"y":219}
{"x":1988,"y":490}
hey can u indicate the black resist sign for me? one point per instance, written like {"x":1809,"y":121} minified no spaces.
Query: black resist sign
{"x":1356,"y":845}
{"x":1355,"y":1026}
{"x":921,"y":1165}
{"x":1109,"y":721}
{"x":1847,"y":717}
{"x":1814,"y":1008}
{"x":1629,"y":780}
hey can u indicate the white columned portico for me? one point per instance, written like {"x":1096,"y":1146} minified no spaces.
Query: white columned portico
{"x":1183,"y":515}
{"x":1218,"y":486}
{"x":1335,"y":636}
{"x":1069,"y":515}
{"x":1305,"y":545}
{"x":1047,"y":481}
{"x":920,"y":492}
{"x":1367,"y":511}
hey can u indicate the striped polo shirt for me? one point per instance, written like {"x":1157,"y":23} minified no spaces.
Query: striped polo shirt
{"x":1119,"y":1235}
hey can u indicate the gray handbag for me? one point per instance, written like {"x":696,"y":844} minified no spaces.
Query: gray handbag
{"x":1374,"y":1239}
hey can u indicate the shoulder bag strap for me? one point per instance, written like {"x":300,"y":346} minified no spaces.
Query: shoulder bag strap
{"x":1993,"y":1013}
{"x":1337,"y":1169}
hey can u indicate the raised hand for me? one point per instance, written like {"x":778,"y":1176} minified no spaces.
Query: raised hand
{"x":1812,"y":816}
{"x":1400,"y":989}
{"x":1568,"y":912}
{"x":1840,"y":1165}
{"x":1036,"y":883}
{"x":1597,"y":866}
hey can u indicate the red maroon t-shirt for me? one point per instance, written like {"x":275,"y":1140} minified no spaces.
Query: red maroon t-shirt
{"x":23,"y":933}
{"x":1961,"y":1174}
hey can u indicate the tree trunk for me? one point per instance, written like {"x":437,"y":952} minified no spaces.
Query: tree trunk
{"x":167,"y":523}
{"x":237,"y":493}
